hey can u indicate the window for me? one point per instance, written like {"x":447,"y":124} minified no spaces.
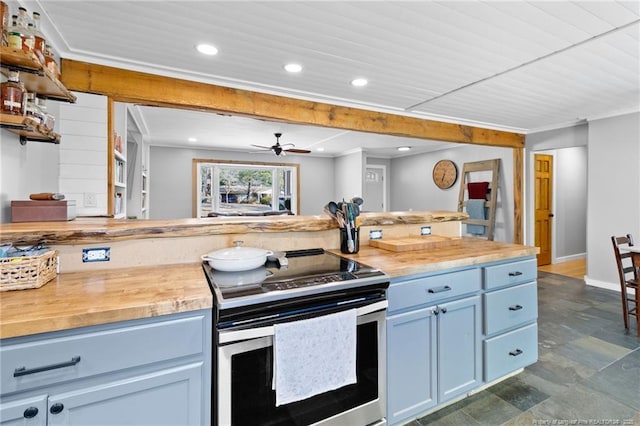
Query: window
{"x":230,"y":188}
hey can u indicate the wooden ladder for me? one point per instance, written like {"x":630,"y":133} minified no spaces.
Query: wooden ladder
{"x":482,"y":166}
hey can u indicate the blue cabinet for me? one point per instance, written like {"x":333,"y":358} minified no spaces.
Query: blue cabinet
{"x":152,"y":371}
{"x":433,"y":350}
{"x":452,"y":332}
{"x":411,"y":363}
{"x":510,"y":319}
{"x":458,"y":347}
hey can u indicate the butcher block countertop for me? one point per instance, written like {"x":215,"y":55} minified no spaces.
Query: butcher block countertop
{"x":464,"y":252}
{"x":78,"y":299}
{"x":100,"y":230}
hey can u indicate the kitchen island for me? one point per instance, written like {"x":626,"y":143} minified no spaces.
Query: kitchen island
{"x":153,"y":294}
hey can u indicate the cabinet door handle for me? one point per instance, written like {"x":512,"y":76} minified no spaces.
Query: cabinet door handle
{"x":23,"y":371}
{"x":516,"y":352}
{"x":515,"y":274}
{"x":515,"y":308}
{"x":56,"y":408}
{"x":30,"y":412}
{"x":439,"y":289}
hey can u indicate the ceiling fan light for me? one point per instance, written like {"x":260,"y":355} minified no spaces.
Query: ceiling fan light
{"x":207,"y":49}
{"x":293,"y":68}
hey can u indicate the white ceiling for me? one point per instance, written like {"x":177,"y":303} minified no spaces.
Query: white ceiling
{"x":520,"y":66}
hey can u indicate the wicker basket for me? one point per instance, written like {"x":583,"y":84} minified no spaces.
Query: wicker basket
{"x":20,"y":273}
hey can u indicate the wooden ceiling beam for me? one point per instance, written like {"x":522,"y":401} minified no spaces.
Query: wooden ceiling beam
{"x":150,"y":89}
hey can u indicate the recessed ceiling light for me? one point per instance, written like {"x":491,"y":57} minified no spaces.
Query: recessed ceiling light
{"x":320,"y":149}
{"x":404,"y":148}
{"x":293,"y":67}
{"x":207,"y":49}
{"x":192,"y":140}
{"x":359,"y":82}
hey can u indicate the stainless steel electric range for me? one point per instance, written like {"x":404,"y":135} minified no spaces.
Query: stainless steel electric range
{"x":301,"y":285}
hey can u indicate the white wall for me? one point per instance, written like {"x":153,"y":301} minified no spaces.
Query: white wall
{"x":412,"y":186}
{"x":613,"y":194}
{"x":25,"y":169}
{"x":570,"y":202}
{"x":349,"y":176}
{"x":170,"y":171}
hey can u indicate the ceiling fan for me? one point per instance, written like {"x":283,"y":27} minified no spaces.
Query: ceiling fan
{"x":280,"y":150}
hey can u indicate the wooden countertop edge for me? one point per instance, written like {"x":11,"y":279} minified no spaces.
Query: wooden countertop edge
{"x":422,"y":269}
{"x":27,"y":327}
{"x":97,"y":230}
{"x":81,"y":299}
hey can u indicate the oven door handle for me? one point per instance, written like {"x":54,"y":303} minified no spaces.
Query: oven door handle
{"x":230,"y":336}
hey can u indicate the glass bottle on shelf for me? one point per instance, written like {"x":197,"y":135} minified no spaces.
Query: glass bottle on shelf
{"x":31,"y":108}
{"x":12,"y":94}
{"x":22,"y":26}
{"x":39,"y":42}
{"x":50,"y":61}
{"x":47,"y":119}
{"x":15,"y":34}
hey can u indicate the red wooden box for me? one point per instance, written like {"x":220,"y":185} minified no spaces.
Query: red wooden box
{"x":43,"y":211}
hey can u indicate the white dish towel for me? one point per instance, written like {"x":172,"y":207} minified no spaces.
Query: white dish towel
{"x":313,"y":356}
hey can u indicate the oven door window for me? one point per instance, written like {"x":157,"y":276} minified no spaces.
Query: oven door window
{"x":253,"y":400}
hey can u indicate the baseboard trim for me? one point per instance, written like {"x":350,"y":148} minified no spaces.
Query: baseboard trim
{"x":602,"y":284}
{"x":569,"y":258}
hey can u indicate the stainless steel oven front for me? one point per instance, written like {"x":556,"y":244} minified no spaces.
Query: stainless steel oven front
{"x":244,"y":379}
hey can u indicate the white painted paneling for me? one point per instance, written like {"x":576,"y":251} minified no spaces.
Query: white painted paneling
{"x":507,"y":65}
{"x":83,"y":152}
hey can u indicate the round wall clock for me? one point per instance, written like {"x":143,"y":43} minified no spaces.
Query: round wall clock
{"x":445,"y":174}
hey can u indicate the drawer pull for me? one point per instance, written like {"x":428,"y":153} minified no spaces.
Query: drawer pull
{"x":30,"y":412}
{"x":515,"y":274}
{"x":439,"y":289}
{"x":23,"y":371}
{"x":56,"y":408}
{"x":515,"y":308}
{"x":516,"y":352}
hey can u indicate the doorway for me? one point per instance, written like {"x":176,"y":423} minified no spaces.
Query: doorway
{"x":375,"y":188}
{"x":543,"y":196}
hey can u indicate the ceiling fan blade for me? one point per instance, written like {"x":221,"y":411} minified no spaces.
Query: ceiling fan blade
{"x":298,"y":151}
{"x":262,"y":146}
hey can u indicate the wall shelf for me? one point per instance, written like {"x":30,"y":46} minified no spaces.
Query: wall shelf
{"x":28,"y":129}
{"x":34,"y":75}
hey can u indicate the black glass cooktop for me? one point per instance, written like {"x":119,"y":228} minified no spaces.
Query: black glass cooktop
{"x":308,"y":272}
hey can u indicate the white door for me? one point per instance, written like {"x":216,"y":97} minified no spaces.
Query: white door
{"x":374,"y":189}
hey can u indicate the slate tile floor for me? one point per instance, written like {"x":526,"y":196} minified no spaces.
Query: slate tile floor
{"x":588,"y":369}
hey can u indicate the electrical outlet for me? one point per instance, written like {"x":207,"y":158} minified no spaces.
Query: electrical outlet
{"x":425,"y":230}
{"x":90,"y":199}
{"x":102,"y":254}
{"x":375,"y":234}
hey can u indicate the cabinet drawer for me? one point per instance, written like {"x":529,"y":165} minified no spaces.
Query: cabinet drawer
{"x":508,"y":352}
{"x":432,"y":289}
{"x":66,"y":356}
{"x":510,"y":307}
{"x":510,"y":273}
